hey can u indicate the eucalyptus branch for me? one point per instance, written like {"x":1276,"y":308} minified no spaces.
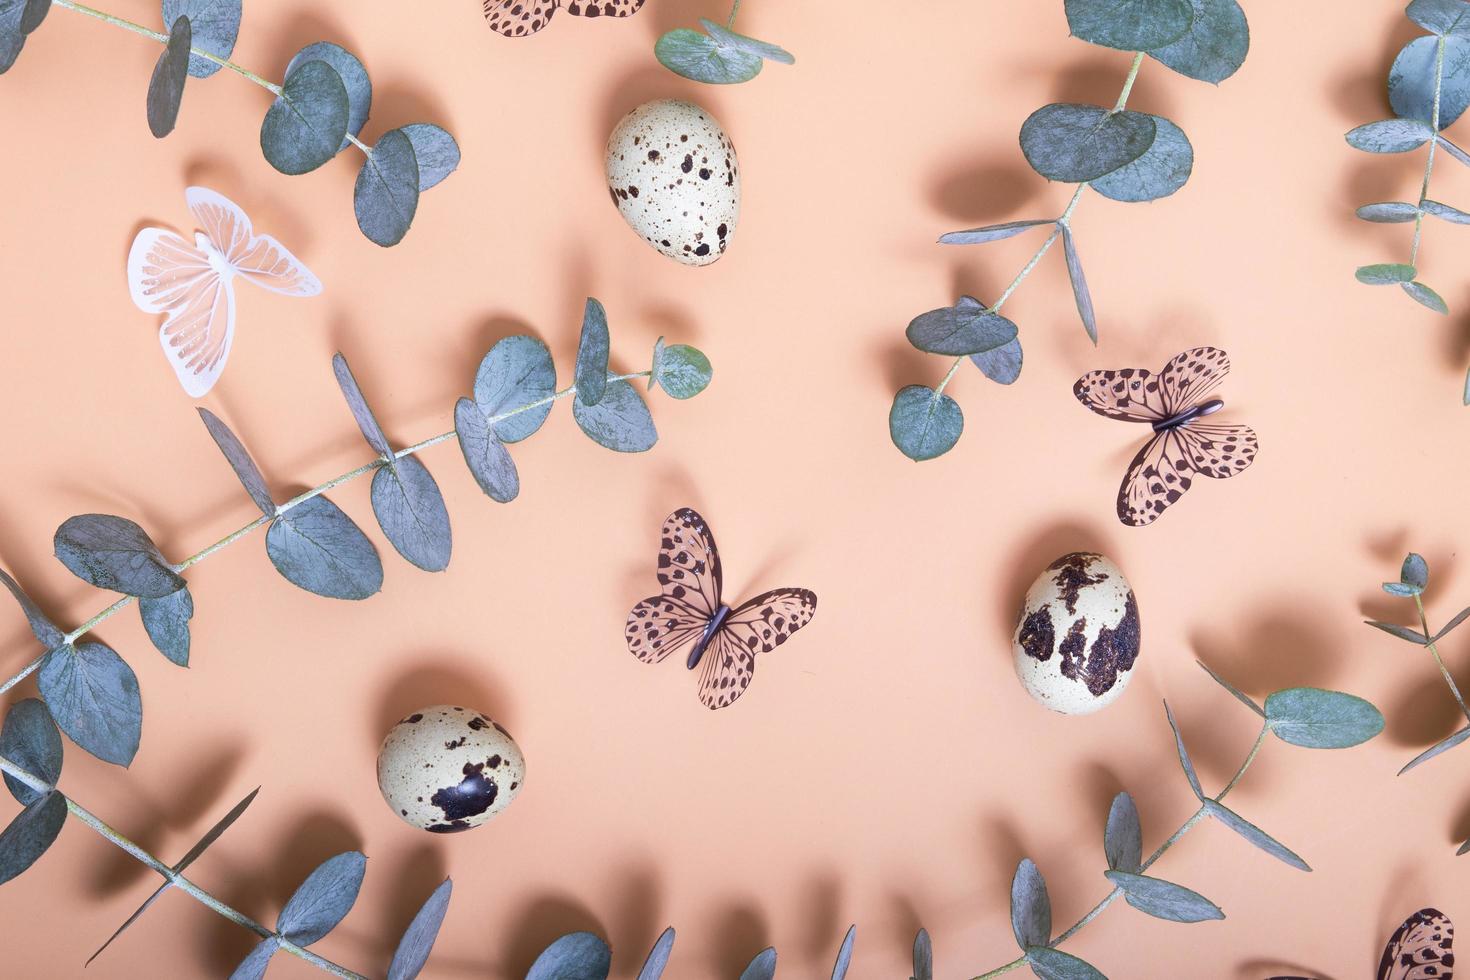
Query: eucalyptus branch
{"x":1121,"y":154}
{"x":718,"y":55}
{"x":318,"y":109}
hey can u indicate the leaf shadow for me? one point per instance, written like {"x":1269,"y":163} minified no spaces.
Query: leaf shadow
{"x":903,"y":921}
{"x":1421,"y":711}
{"x":1001,"y":849}
{"x":1096,"y":78}
{"x":416,"y":873}
{"x":435,"y":677}
{"x":1278,"y":647}
{"x":636,"y":924}
{"x":983,"y":191}
{"x":301,"y":29}
{"x":402,"y":101}
{"x":1255,"y":969}
{"x":664,"y":17}
{"x":821,"y":898}
{"x":542,"y":922}
{"x":740,"y":931}
{"x":1360,"y":94}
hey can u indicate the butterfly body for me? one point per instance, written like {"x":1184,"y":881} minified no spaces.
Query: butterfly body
{"x":1182,"y":447}
{"x":689,"y":611}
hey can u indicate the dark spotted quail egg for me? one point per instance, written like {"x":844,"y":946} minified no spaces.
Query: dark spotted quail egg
{"x":672,"y":173}
{"x":446,"y":769}
{"x":1077,"y":638}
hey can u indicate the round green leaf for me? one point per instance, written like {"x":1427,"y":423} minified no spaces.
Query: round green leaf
{"x":435,"y":150}
{"x":1215,"y":45}
{"x":323,"y":899}
{"x":418,"y":940}
{"x":960,"y":331}
{"x":578,"y":956}
{"x":93,"y":695}
{"x":316,"y":547}
{"x":517,"y":372}
{"x":701,"y":58}
{"x":30,"y":739}
{"x":387,"y":191}
{"x":1385,"y":274}
{"x":354,"y":79}
{"x":1158,"y":173}
{"x":305,"y":126}
{"x":167,"y":623}
{"x":1441,"y":16}
{"x":619,"y":421}
{"x":1411,"y":80}
{"x":1002,"y":365}
{"x":924,"y":423}
{"x":592,"y":354}
{"x":1053,"y":964}
{"x":489,"y":461}
{"x":1077,"y":143}
{"x":1390,"y":136}
{"x":28,"y":836}
{"x":116,"y":554}
{"x":1317,"y":719}
{"x":730,"y":39}
{"x":166,"y":87}
{"x":411,"y":511}
{"x":681,"y":370}
{"x":1129,"y":25}
{"x":215,"y":26}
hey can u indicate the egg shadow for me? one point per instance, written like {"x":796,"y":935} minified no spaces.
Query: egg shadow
{"x":644,"y":84}
{"x":434,"y":678}
{"x":542,"y":922}
{"x":1033,"y":554}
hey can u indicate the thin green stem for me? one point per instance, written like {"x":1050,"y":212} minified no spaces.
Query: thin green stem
{"x":1433,"y":145}
{"x":1433,"y":649}
{"x":1169,"y":842}
{"x":1128,"y":82}
{"x":733,"y":11}
{"x":176,"y":879}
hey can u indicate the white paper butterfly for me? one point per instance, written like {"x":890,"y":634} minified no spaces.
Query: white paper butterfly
{"x":194,"y":285}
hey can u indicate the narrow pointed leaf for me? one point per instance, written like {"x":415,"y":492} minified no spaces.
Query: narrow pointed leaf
{"x":1053,"y":964}
{"x":1455,"y":151}
{"x":1426,"y":297}
{"x":323,"y":899}
{"x":680,"y":370}
{"x":1441,"y":16}
{"x":354,"y":79}
{"x":1164,"y":899}
{"x":1444,"y":745}
{"x":93,"y":695}
{"x":1164,"y":169}
{"x":620,"y":420}
{"x":844,"y":955}
{"x":305,"y":126}
{"x":923,"y":957}
{"x":592,"y":354}
{"x":1254,"y":834}
{"x":1389,"y":212}
{"x":486,"y":456}
{"x":1402,"y":632}
{"x":1390,"y":136}
{"x":1235,"y":692}
{"x":516,"y":373}
{"x":1080,"y":292}
{"x":1459,"y":618}
{"x":116,"y":554}
{"x":166,"y":87}
{"x":366,"y":421}
{"x":29,"y":739}
{"x":411,"y":511}
{"x":215,"y":24}
{"x":1129,"y":25}
{"x":575,"y":956}
{"x":435,"y":150}
{"x":958,"y":331}
{"x":1077,"y":143}
{"x":658,"y":957}
{"x":1385,"y":273}
{"x":418,"y":940}
{"x":44,"y":630}
{"x":386,"y":195}
{"x":28,"y":836}
{"x":1444,"y":211}
{"x":137,"y":914}
{"x":1214,"y":47}
{"x":1123,"y":838}
{"x":991,"y":233}
{"x":924,"y":423}
{"x":252,"y":967}
{"x":239,"y":459}
{"x":1184,"y":762}
{"x":167,"y":623}
{"x":1030,"y":906}
{"x":316,"y":547}
{"x":763,"y":967}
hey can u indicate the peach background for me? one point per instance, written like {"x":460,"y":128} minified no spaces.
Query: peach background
{"x":885,"y":769}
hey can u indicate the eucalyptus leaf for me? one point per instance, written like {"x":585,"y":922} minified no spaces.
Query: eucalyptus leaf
{"x":1002,"y":365}
{"x":323,"y":899}
{"x":1030,"y":906}
{"x":411,"y":511}
{"x":29,"y":739}
{"x":489,"y":461}
{"x":1390,"y":136}
{"x":1389,"y":212}
{"x":620,"y":421}
{"x":33,"y":14}
{"x":1385,"y":274}
{"x":44,"y":630}
{"x":116,"y":554}
{"x":93,"y":695}
{"x":679,"y":369}
{"x":354,"y":79}
{"x":592,"y":354}
{"x":305,"y":126}
{"x":215,"y":25}
{"x":1164,"y":899}
{"x":166,"y":86}
{"x":1080,"y":292}
{"x":1441,"y":16}
{"x":924,"y":423}
{"x":28,"y":836}
{"x":1414,"y":572}
{"x":252,"y":967}
{"x":703,"y":59}
{"x":1158,"y":173}
{"x":658,"y":957}
{"x":366,"y":421}
{"x":435,"y":150}
{"x":12,"y":37}
{"x":1402,"y":632}
{"x":1443,"y":745}
{"x":239,"y":459}
{"x":1254,"y":834}
{"x":316,"y":547}
{"x":575,"y":956}
{"x":386,"y":195}
{"x":1214,"y":47}
{"x":728,"y":38}
{"x":1400,"y":589}
{"x":418,"y":940}
{"x":1444,"y":211}
{"x":1184,"y":762}
{"x":1235,"y":692}
{"x":1454,"y":151}
{"x":763,"y":967}
{"x":1411,"y":80}
{"x":923,"y":957}
{"x":167,"y":623}
{"x":1123,"y":838}
{"x":1460,"y":617}
{"x":959,"y":331}
{"x":1130,"y":25}
{"x":1053,"y":964}
{"x":516,"y":373}
{"x":1077,"y":143}
{"x":844,"y":955}
{"x":991,"y":233}
{"x":1425,"y":296}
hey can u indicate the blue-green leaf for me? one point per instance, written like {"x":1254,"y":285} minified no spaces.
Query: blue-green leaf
{"x":1390,"y":136}
{"x":166,"y":86}
{"x":959,"y":331}
{"x":1443,"y":745}
{"x":1411,"y":80}
{"x":167,"y":623}
{"x":1130,"y":25}
{"x":1414,"y":571}
{"x":923,"y":956}
{"x":658,"y":957}
{"x":924,"y":423}
{"x":1077,"y":143}
{"x":1002,"y":365}
{"x":489,"y":461}
{"x":763,"y":967}
{"x":516,"y":373}
{"x":1123,"y":837}
{"x":576,"y":956}
{"x":702,"y":58}
{"x":1158,"y":173}
{"x":239,"y":459}
{"x":316,"y":547}
{"x":367,"y":422}
{"x":1389,"y":212}
{"x":116,"y":554}
{"x":1385,"y":274}
{"x":35,"y":12}
{"x":93,"y":695}
{"x":354,"y":79}
{"x":1393,"y":629}
{"x":1080,"y":293}
{"x":411,"y":511}
{"x":620,"y":420}
{"x":1164,"y":899}
{"x":1254,"y":834}
{"x":1444,"y":211}
{"x":1053,"y":964}
{"x":12,"y":37}
{"x":730,"y":39}
{"x":28,"y":836}
{"x":1184,"y":762}
{"x":29,"y":739}
{"x":592,"y":354}
{"x":418,"y":940}
{"x":1441,"y":16}
{"x":215,"y":25}
{"x":1425,"y":296}
{"x":44,"y":630}
{"x":1215,"y":45}
{"x":1235,"y":692}
{"x":435,"y":150}
{"x":305,"y":126}
{"x":844,"y":955}
{"x":1318,"y":719}
{"x":386,"y":195}
{"x":1030,"y":906}
{"x":253,"y":966}
{"x":991,"y":233}
{"x":679,"y":369}
{"x":323,"y":899}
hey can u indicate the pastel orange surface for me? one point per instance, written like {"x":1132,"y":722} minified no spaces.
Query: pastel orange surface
{"x":885,"y":768}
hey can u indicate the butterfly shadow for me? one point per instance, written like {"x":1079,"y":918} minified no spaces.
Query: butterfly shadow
{"x":542,"y":921}
{"x":432,"y":677}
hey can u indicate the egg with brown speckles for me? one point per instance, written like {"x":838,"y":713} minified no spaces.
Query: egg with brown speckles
{"x":1077,"y":637}
{"x":673,"y":176}
{"x":446,"y":769}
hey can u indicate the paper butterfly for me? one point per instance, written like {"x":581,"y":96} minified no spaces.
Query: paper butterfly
{"x":1172,"y":401}
{"x":690,"y":611}
{"x":194,"y":285}
{"x":518,"y":18}
{"x":1420,"y":949}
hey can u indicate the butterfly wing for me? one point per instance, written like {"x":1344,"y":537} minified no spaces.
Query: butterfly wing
{"x":604,"y":8}
{"x":1132,"y":395}
{"x":1219,"y":451}
{"x":690,"y":578}
{"x":168,"y":275}
{"x":517,"y":18}
{"x":1158,"y":476}
{"x":1420,"y":949}
{"x":757,"y":626}
{"x":1190,"y":376}
{"x":258,"y":258}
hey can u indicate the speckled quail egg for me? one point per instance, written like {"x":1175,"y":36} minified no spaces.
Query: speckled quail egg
{"x":1077,"y":637}
{"x":446,"y":769}
{"x":672,"y":173}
